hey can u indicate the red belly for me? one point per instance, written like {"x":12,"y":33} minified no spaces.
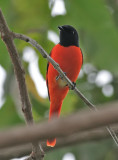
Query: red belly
{"x":70,"y":61}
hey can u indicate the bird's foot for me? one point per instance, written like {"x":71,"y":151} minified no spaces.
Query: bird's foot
{"x":73,"y":87}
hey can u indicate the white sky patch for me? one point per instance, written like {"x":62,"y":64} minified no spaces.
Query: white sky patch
{"x":68,"y":156}
{"x":2,"y":79}
{"x":38,"y":79}
{"x":58,"y":7}
{"x":108,"y":90}
{"x":52,"y":36}
{"x":30,"y":56}
{"x":91,"y":77}
{"x":88,"y":68}
{"x":81,"y":74}
{"x":103,"y":77}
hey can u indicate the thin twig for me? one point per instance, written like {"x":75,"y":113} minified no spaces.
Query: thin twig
{"x":19,"y":72}
{"x":64,"y":77}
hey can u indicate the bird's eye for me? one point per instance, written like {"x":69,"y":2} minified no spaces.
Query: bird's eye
{"x":73,"y":32}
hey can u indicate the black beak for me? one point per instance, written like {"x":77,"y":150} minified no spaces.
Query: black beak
{"x":60,"y":28}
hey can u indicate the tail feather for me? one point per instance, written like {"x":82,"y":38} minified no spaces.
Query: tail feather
{"x":51,"y":142}
{"x":54,"y":112}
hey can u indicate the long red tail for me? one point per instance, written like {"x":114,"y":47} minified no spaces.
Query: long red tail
{"x":54,"y":112}
{"x":51,"y":142}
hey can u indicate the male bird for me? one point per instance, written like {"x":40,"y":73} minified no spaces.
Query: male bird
{"x":69,"y":57}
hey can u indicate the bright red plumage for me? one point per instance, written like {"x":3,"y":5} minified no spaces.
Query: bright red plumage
{"x":70,"y":60}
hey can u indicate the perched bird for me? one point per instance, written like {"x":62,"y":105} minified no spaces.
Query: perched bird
{"x":68,"y":55}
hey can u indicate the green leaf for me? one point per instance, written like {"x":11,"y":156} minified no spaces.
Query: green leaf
{"x":31,"y":14}
{"x":39,"y":109}
{"x":4,"y":56}
{"x":8,"y":115}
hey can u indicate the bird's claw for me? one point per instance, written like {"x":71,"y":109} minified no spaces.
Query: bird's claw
{"x":73,"y":87}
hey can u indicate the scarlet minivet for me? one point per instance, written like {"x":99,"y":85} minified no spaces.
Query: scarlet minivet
{"x":69,"y":57}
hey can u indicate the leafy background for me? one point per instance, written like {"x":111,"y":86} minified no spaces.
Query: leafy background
{"x":97,"y":24}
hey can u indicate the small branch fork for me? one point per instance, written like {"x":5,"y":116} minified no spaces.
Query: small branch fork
{"x":8,"y":37}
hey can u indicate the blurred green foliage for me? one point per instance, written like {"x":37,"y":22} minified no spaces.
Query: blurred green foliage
{"x":96,"y":22}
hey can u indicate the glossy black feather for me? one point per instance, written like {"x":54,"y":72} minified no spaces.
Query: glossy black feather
{"x":68,"y":36}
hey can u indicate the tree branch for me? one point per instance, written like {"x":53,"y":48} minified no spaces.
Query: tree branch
{"x":84,"y":120}
{"x":78,"y":138}
{"x":19,"y":72}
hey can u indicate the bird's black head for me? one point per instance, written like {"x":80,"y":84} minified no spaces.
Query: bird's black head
{"x":68,"y":36}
